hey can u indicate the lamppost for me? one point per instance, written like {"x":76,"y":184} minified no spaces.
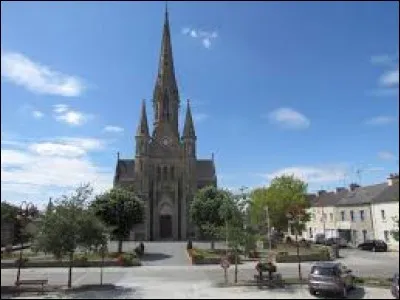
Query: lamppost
{"x":295,"y":216}
{"x":23,"y":216}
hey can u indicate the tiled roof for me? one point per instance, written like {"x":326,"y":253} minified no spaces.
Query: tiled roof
{"x":362,"y":195}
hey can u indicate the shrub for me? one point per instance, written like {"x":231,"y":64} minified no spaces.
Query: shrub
{"x":80,"y":258}
{"x":126,"y":259}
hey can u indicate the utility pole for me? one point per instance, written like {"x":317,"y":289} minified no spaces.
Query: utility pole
{"x":268,"y":229}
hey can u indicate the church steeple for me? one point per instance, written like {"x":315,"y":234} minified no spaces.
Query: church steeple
{"x":165,"y":96}
{"x":188,"y":129}
{"x":143,"y":127}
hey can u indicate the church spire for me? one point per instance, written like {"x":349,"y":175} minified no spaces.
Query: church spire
{"x":165,"y":96}
{"x":143,"y":128}
{"x":188,"y":129}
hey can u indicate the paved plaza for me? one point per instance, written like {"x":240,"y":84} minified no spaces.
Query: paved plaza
{"x":167,"y":273}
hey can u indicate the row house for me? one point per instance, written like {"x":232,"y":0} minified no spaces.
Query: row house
{"x":357,"y":213}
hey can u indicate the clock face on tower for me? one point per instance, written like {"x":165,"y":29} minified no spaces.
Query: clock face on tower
{"x":166,"y":141}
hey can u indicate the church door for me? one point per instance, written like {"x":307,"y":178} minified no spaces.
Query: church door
{"x":165,"y":226}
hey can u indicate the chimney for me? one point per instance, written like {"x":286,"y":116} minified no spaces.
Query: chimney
{"x":353,"y":186}
{"x":340,"y":189}
{"x":393,"y":178}
{"x":321,"y":192}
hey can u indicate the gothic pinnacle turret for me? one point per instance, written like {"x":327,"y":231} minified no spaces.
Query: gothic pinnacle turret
{"x":143,"y":128}
{"x":188,"y":129}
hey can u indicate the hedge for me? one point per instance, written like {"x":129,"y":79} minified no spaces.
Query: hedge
{"x":210,"y":257}
{"x":65,"y":264}
{"x":318,"y":256}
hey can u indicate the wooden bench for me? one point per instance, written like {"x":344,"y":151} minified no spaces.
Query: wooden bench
{"x":275,"y":281}
{"x":41,"y":282}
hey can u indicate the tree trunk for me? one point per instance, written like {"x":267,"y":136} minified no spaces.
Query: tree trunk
{"x":120,"y":241}
{"x":298,"y":257}
{"x":236,"y":266}
{"x":212,"y":244}
{"x":71,"y":259}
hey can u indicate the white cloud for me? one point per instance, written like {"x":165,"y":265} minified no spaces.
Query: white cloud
{"x":206,"y":37}
{"x":386,"y":155}
{"x":200,"y":117}
{"x":390,"y":78}
{"x":60,"y":108}
{"x":111,"y":128}
{"x":37,"y":114}
{"x":66,"y":115}
{"x":57,"y":165}
{"x":381,"y":120}
{"x":56,"y":149}
{"x":38,"y":78}
{"x":289,"y":118}
{"x":311,"y":174}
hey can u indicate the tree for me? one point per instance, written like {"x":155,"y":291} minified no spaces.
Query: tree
{"x":205,"y":211}
{"x":121,"y":209}
{"x":283,"y":192}
{"x":68,"y":225}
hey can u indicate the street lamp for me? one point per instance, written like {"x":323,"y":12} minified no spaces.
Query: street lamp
{"x":295,"y":216}
{"x":23,"y":215}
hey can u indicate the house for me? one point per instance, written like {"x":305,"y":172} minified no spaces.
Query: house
{"x":354,"y":214}
{"x":323,"y":213}
{"x":385,"y":212}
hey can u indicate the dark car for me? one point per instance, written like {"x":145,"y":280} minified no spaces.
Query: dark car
{"x":373,"y":245}
{"x":395,"y":286}
{"x":330,"y":277}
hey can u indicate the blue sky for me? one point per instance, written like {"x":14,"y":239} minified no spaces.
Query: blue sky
{"x":276,"y":87}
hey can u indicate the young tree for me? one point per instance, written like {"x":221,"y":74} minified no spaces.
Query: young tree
{"x":283,"y":192}
{"x":121,"y":209}
{"x":68,"y":226}
{"x":205,"y":211}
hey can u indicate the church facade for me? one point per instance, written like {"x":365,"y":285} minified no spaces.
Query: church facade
{"x":165,"y":170}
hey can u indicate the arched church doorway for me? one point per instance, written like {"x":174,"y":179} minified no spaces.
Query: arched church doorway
{"x":165,"y":221}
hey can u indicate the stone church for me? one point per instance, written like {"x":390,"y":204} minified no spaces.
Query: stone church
{"x":165,"y":171}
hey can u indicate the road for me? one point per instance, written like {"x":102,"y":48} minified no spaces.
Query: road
{"x":168,"y":282}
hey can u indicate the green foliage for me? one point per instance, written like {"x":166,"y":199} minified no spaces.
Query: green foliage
{"x":70,"y":225}
{"x":8,"y":212}
{"x":206,"y":206}
{"x":283,"y":193}
{"x":119,"y":208}
{"x":127,"y":259}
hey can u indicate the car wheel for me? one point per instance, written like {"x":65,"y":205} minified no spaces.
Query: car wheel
{"x":312,"y":292}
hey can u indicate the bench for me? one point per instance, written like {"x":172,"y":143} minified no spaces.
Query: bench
{"x":41,"y":282}
{"x":275,"y":281}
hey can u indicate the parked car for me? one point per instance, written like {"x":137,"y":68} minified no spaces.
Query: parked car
{"x":330,"y":277}
{"x":395,"y":286}
{"x":336,"y":240}
{"x":373,"y":245}
{"x":319,"y":238}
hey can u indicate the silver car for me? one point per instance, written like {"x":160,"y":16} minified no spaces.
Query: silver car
{"x":330,"y":277}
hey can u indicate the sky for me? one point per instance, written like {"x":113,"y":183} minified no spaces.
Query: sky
{"x":303,"y":88}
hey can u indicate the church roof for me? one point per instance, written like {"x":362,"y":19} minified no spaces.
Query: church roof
{"x":205,"y":169}
{"x":126,"y":169}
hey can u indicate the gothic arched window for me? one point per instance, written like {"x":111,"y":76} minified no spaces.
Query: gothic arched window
{"x":172,"y":172}
{"x":165,"y":172}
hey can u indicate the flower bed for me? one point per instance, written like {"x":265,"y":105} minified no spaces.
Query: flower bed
{"x":212,"y":257}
